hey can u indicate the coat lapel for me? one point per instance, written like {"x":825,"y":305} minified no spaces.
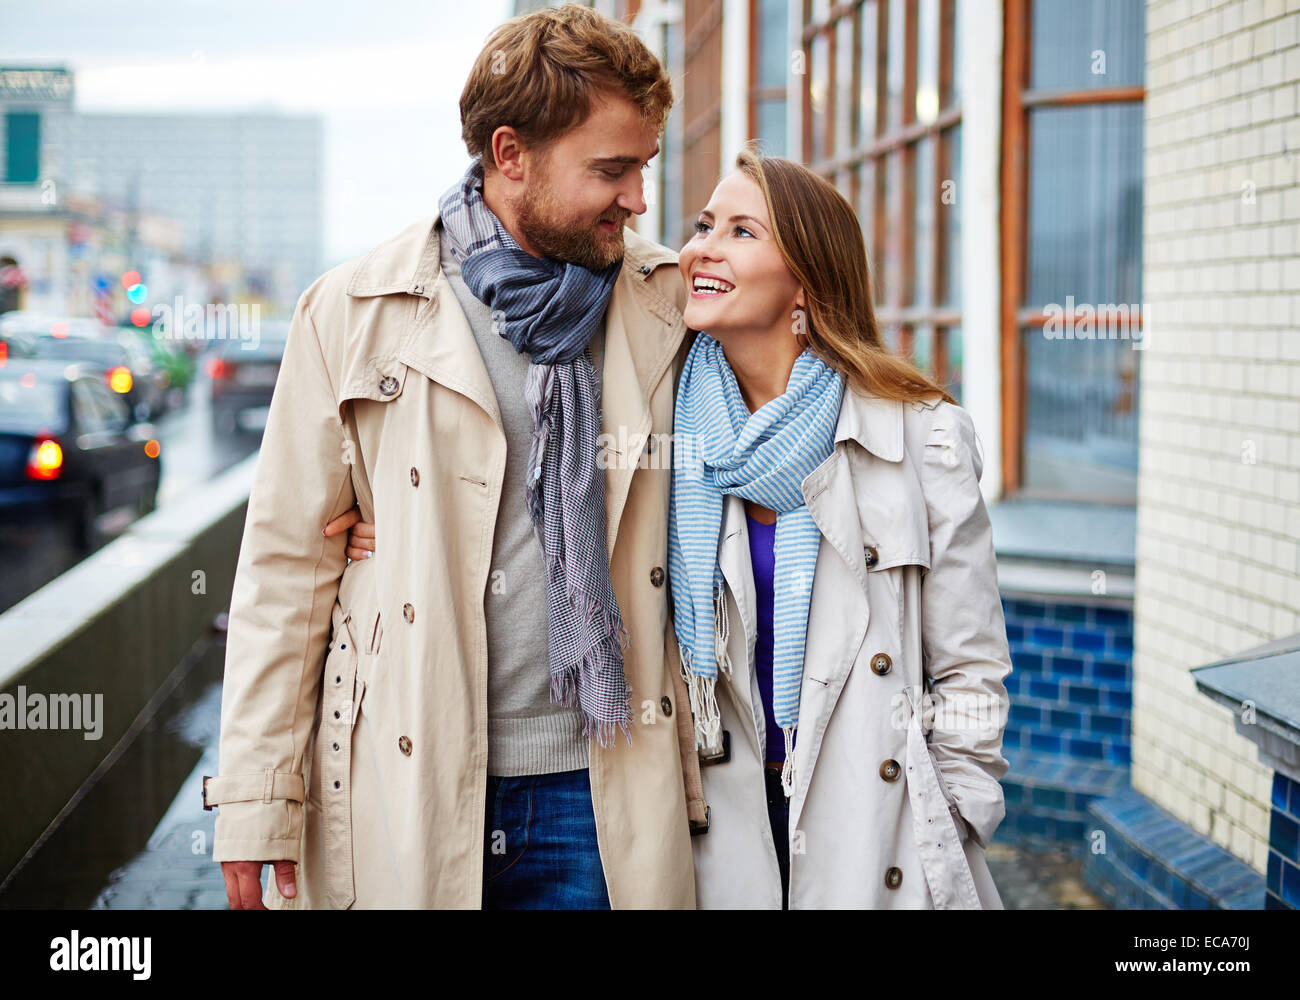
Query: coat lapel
{"x":643,"y":332}
{"x":840,"y":610}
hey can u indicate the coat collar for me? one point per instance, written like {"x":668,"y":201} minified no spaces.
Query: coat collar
{"x":875,"y":423}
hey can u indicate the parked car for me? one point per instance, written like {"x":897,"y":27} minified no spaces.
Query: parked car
{"x":68,"y":448}
{"x":243,"y":372}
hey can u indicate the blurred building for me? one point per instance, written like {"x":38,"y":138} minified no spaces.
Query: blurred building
{"x":1081,"y":215}
{"x":242,"y":193}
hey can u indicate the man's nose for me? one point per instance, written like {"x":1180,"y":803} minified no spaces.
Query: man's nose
{"x":632,"y":199}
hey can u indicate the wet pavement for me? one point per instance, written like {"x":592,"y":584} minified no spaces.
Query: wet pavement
{"x":1039,"y":879}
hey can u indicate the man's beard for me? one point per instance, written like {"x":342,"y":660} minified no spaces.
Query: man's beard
{"x":540,"y":218}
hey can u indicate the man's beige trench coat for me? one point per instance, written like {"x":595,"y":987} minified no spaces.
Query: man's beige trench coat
{"x":898,"y":753}
{"x":354,"y":713}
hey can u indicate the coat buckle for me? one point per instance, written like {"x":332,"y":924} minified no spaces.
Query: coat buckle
{"x":698,"y":828}
{"x":722,"y":756}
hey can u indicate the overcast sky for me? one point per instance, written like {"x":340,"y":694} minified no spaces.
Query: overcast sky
{"x":383,"y":75}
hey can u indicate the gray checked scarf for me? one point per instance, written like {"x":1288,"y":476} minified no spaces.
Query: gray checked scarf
{"x":549,"y":310}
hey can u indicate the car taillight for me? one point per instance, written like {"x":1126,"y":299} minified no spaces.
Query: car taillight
{"x":218,"y":368}
{"x":4,"y":353}
{"x":119,"y":378}
{"x":45,"y":461}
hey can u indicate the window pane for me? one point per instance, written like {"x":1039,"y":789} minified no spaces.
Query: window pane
{"x":820,"y":8}
{"x":818,"y":83}
{"x":957,"y":9}
{"x":1081,"y":416}
{"x":1085,"y":204}
{"x":895,"y":57}
{"x":927,"y":61}
{"x":867,"y":84}
{"x":923,"y":348}
{"x":923,"y":230}
{"x":950,"y":206}
{"x":22,"y":147}
{"x":1082,"y":44}
{"x":866,"y":212}
{"x":893,"y":275}
{"x":952,"y":341}
{"x":772,"y":48}
{"x":892,"y":336}
{"x":771,"y":127}
{"x":844,"y":110}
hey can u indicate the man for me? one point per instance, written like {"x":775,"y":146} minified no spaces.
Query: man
{"x":492,"y":705}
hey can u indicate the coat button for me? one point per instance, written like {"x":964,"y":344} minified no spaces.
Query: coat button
{"x":890,"y":770}
{"x":388,"y":385}
{"x":881,"y":663}
{"x":415,"y":476}
{"x":657,"y":576}
{"x":666,"y":705}
{"x":404,"y":745}
{"x":894,"y":878}
{"x":336,"y":746}
{"x":869,"y":555}
{"x":408,"y":612}
{"x":338,"y":784}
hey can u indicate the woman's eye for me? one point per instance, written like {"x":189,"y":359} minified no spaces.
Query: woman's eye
{"x":701,"y":226}
{"x":742,"y":229}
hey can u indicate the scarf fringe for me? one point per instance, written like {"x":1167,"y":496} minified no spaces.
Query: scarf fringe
{"x":787,"y":772}
{"x":721,"y":630}
{"x":564,"y":682}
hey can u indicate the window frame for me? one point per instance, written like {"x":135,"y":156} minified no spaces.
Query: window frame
{"x":1018,"y":100}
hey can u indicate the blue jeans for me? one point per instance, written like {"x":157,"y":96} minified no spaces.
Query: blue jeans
{"x":778,"y":817}
{"x":539,"y":844}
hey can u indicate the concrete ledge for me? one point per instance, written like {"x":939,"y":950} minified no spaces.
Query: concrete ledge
{"x":113,"y":626}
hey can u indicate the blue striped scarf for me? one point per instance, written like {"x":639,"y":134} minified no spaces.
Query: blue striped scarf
{"x":764,"y":457}
{"x":549,"y":310}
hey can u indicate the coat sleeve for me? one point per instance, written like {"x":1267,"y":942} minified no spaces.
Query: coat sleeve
{"x":286,"y":583}
{"x":964,"y":634}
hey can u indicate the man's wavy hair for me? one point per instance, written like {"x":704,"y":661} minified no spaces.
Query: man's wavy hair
{"x":541,"y":73}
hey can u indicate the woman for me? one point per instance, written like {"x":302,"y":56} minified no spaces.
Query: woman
{"x":832,"y":575}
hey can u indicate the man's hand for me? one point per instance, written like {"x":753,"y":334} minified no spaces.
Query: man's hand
{"x":244,"y":882}
{"x":361,"y":537}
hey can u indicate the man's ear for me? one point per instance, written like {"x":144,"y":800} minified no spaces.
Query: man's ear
{"x":506,"y":152}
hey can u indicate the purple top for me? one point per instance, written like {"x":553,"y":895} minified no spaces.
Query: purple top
{"x":762,"y":554}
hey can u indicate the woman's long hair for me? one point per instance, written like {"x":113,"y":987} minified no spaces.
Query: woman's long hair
{"x":820,"y":238}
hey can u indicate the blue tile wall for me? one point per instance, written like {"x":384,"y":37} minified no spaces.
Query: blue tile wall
{"x":1283,"y":878}
{"x":1068,"y":731}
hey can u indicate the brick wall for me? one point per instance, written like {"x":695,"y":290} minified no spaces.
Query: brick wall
{"x":1218,"y":567}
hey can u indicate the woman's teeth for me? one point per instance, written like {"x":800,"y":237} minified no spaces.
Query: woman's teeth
{"x":712,"y":286}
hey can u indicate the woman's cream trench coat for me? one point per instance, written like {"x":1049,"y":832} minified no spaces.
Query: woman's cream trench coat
{"x":892,"y":808}
{"x":354,"y":712}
